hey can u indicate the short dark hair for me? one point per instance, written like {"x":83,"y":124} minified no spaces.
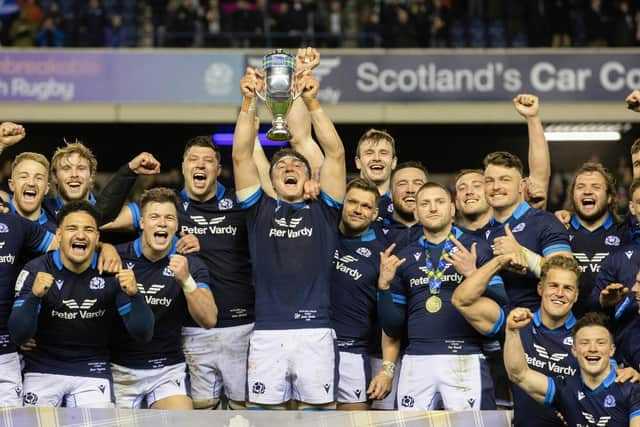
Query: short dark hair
{"x":158,"y":195}
{"x":430,"y":185}
{"x":635,"y":147}
{"x":560,"y":262}
{"x":78,"y":206}
{"x":505,"y":159}
{"x":375,"y":136}
{"x":365,"y":185}
{"x":592,"y":167}
{"x":288,"y":152}
{"x":464,"y":172}
{"x":592,"y":319}
{"x":201,"y":141}
{"x":635,"y":185}
{"x":410,"y":164}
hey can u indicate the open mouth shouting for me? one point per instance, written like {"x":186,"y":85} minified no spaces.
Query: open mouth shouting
{"x":160,"y":237}
{"x":199,"y":179}
{"x":79,"y":248}
{"x":290,"y":180}
{"x":29,"y":195}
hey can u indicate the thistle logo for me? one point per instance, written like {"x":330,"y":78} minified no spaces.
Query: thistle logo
{"x":602,"y":421}
{"x":200,"y":220}
{"x":3,"y":228}
{"x":153,"y":289}
{"x":73,"y":304}
{"x":96,"y":283}
{"x":609,"y":401}
{"x":543,"y":353}
{"x":518,"y":228}
{"x":365,"y":252}
{"x":167,"y":272}
{"x":612,"y":241}
{"x":293,"y":223}
{"x":225,"y":204}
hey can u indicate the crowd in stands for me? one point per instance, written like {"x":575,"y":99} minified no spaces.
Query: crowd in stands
{"x":325,"y":23}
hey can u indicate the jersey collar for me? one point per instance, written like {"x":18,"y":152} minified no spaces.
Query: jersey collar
{"x":60,"y":203}
{"x":537,"y":320}
{"x":425,"y":244}
{"x":368,"y":236}
{"x":295,"y":205}
{"x":220,"y":190}
{"x":57,"y":260}
{"x":608,"y":222}
{"x":42,"y":219}
{"x":517,"y":214}
{"x":608,"y":380}
{"x":137,"y":247}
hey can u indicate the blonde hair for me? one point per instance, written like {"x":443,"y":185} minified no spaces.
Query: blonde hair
{"x":75,"y":147}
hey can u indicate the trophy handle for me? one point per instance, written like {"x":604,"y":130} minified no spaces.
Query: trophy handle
{"x":261,"y":96}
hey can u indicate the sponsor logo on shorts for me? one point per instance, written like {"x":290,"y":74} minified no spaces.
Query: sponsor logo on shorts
{"x":258,"y":388}
{"x":30,"y":398}
{"x":407,"y":402}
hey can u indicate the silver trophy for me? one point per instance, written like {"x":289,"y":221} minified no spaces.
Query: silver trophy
{"x":279,"y":68}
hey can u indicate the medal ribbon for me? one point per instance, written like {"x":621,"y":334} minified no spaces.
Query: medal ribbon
{"x":435,"y":276}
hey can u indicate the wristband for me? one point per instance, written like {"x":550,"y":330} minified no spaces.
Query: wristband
{"x":189,"y":285}
{"x":388,"y":368}
{"x":248,"y":105}
{"x":534,"y":261}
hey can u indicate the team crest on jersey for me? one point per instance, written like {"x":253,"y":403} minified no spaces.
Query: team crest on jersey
{"x":568,"y":341}
{"x":609,"y":401}
{"x":365,"y":252}
{"x":59,"y":283}
{"x":130,"y":265}
{"x":167,"y":272}
{"x":185,"y":205}
{"x":390,"y":210}
{"x":3,"y":228}
{"x":225,"y":204}
{"x":612,"y":241}
{"x":628,"y":254}
{"x":96,"y":283}
{"x":518,"y":228}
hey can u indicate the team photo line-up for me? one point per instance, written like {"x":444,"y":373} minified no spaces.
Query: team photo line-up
{"x":297,"y":290}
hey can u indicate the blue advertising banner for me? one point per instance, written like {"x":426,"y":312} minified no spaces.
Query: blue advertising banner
{"x":475,"y":76}
{"x":125,"y":77}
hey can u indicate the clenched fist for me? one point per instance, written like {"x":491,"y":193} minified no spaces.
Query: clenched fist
{"x":41,"y":284}
{"x":127,"y":281}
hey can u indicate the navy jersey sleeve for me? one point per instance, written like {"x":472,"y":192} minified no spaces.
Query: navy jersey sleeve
{"x":115,"y":193}
{"x":23,"y":321}
{"x":634,"y":402}
{"x":495,"y":289}
{"x":199,"y":272}
{"x":553,"y":236}
{"x":136,"y":315}
{"x":36,"y":238}
{"x":134,"y":209}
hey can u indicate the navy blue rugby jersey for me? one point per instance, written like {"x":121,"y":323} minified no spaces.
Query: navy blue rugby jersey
{"x":20,"y":239}
{"x":621,"y":266}
{"x":74,"y":320}
{"x":538,"y":231}
{"x":445,"y":331}
{"x":52,"y":205}
{"x":627,"y":339}
{"x":43,"y":219}
{"x":220,"y":226}
{"x":164,"y":295}
{"x":391,"y":231}
{"x":611,"y":404}
{"x":590,"y":249}
{"x":292,"y":246}
{"x":385,"y":207}
{"x":548,"y":351}
{"x":354,"y":284}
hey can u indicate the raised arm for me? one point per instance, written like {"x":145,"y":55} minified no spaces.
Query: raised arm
{"x":245,"y":172}
{"x":10,"y":134}
{"x":532,"y":382}
{"x":483,"y":313}
{"x":539,"y":159}
{"x":333,"y":174}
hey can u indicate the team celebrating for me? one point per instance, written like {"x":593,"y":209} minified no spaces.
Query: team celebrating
{"x":295,"y":289}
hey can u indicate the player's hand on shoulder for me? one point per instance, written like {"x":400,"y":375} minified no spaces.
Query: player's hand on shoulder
{"x":187,"y":244}
{"x":42,"y":284}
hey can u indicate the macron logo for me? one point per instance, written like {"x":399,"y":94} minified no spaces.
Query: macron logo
{"x":542,"y":352}
{"x":73,"y":304}
{"x":293,"y":223}
{"x":200,"y":220}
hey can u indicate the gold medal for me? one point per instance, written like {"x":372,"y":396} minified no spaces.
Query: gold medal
{"x":433,"y":304}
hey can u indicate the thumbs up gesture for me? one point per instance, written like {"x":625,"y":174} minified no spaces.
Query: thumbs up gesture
{"x":506,"y":244}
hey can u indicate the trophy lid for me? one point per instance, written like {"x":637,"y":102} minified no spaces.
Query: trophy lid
{"x":278,"y":58}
